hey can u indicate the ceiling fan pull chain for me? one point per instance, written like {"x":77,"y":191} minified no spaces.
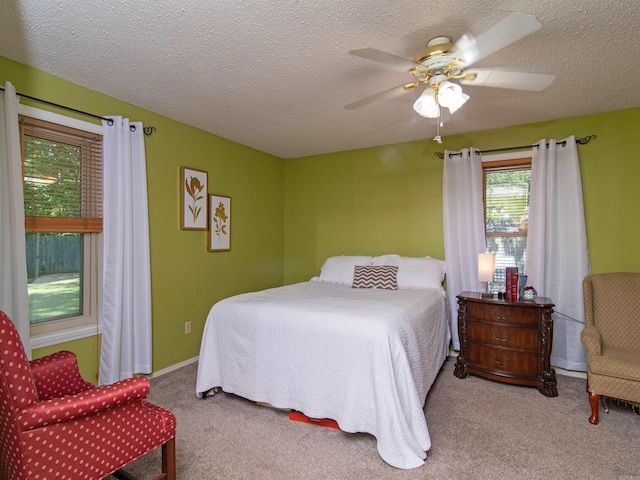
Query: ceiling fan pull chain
{"x":438,"y":138}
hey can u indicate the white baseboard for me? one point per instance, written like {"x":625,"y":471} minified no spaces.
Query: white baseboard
{"x":173,"y":367}
{"x":570,"y":373}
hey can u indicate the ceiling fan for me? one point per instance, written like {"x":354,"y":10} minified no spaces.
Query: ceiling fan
{"x":443,"y":63}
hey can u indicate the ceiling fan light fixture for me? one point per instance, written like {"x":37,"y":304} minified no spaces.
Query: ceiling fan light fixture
{"x":427,"y":105}
{"x":450,"y":95}
{"x":461,"y":101}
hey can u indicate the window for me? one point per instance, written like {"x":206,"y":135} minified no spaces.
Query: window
{"x":62,"y":169}
{"x":506,"y":211}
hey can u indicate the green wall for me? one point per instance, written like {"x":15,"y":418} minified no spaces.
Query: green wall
{"x":289,"y":216}
{"x":371,"y":201}
{"x":186,"y":278}
{"x":389,"y":199}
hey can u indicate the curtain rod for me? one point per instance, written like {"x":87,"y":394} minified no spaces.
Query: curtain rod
{"x":581,"y":141}
{"x":147,"y":130}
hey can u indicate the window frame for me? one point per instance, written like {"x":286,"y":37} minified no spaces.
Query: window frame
{"x":89,"y":324}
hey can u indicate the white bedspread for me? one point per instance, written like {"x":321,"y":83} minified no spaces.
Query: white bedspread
{"x":365,"y":358}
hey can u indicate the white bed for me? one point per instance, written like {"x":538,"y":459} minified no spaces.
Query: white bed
{"x":363,"y":357}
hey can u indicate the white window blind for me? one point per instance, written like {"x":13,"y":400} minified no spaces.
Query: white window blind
{"x":506,"y":200}
{"x":62,"y":178}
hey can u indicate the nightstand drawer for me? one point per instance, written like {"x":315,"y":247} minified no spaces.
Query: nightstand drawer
{"x":525,"y":364}
{"x":509,"y":336}
{"x":503,"y":314}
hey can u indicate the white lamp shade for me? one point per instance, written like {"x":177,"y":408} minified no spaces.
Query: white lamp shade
{"x":447,"y":93}
{"x":427,"y":105}
{"x":486,"y":267}
{"x":459,"y":102}
{"x":450,"y":96}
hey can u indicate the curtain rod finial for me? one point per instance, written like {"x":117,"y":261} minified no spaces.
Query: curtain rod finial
{"x":585,"y":140}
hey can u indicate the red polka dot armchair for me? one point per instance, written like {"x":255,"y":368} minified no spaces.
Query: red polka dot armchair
{"x":53,"y":424}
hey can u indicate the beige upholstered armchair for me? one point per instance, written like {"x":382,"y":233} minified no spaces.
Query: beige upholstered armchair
{"x":611,"y":336}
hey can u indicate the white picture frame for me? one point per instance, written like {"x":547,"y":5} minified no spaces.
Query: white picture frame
{"x":193,"y":199}
{"x":219,"y":223}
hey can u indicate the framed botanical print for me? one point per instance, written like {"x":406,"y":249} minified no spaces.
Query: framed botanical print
{"x":193,"y":199}
{"x":219,"y":223}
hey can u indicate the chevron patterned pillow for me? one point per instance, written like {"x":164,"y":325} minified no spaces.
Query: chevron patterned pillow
{"x":384,"y":277}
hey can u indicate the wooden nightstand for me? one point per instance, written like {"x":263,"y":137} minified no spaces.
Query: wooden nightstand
{"x":506,"y":341}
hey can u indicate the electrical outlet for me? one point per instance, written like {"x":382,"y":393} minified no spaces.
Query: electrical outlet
{"x":187,"y":327}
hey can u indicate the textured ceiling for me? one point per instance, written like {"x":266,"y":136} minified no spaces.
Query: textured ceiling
{"x":276,"y":74}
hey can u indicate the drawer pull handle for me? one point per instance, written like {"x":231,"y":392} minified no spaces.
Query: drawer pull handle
{"x":499,"y":362}
{"x":501,"y":339}
{"x":506,"y":317}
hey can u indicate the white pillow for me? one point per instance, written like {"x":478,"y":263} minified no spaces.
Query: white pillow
{"x":340,"y":269}
{"x":386,"y":260}
{"x":415,"y":272}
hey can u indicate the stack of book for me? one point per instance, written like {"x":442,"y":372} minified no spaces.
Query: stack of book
{"x":511,"y":285}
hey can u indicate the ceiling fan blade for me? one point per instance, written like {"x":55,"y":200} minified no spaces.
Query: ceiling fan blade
{"x":511,"y":29}
{"x":391,"y":93}
{"x":491,"y":77}
{"x":385,"y":58}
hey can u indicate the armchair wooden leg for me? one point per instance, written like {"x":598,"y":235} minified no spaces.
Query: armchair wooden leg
{"x":168,"y":460}
{"x":593,"y":401}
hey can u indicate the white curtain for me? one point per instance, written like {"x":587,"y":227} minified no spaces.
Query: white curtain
{"x":126,"y":302}
{"x":14,"y":297}
{"x":557,"y":258}
{"x":463,"y":217}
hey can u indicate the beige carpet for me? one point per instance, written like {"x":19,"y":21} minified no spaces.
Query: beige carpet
{"x":479,"y":430}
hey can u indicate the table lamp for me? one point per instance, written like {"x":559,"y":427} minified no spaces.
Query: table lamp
{"x":486,"y":269}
